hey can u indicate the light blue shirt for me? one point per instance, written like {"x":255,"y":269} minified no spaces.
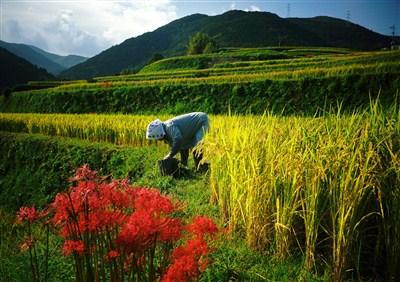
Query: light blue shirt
{"x":185,"y":131}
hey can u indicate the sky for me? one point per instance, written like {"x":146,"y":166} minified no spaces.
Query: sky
{"x":88,"y":27}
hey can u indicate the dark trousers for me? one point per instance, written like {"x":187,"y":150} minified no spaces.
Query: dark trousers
{"x":197,"y":156}
{"x":184,"y":156}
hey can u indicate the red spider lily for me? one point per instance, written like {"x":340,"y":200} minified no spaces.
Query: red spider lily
{"x":127,"y":228}
{"x":150,"y":222}
{"x":203,"y":225}
{"x":27,"y":245}
{"x":118,"y":193}
{"x":181,"y":271}
{"x":71,"y":246}
{"x":89,"y":206}
{"x":188,"y":261}
{"x":28,"y":214}
{"x":153,"y":201}
{"x":84,"y":173}
{"x":106,"y":84}
{"x":112,"y":255}
{"x":144,"y":228}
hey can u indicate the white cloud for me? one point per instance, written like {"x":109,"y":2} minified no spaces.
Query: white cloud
{"x":254,"y":8}
{"x":81,"y":27}
{"x":63,"y":35}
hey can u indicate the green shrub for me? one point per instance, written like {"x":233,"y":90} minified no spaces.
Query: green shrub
{"x":303,"y":96}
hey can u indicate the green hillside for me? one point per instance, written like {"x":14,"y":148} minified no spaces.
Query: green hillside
{"x":64,"y":61}
{"x":340,"y":33}
{"x":53,"y":63}
{"x":32,"y":56}
{"x":231,"y":29}
{"x":15,"y":70}
{"x":245,"y":80}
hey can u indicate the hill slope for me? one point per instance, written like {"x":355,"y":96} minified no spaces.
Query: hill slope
{"x":51,"y":62}
{"x":16,"y":70}
{"x":64,"y":61}
{"x":231,"y":29}
{"x":340,"y":33}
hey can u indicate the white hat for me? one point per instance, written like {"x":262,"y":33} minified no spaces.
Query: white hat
{"x":155,"y":130}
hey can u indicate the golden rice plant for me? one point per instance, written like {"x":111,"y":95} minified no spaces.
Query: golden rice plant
{"x":247,"y":155}
{"x":387,"y":129}
{"x":389,"y":197}
{"x":117,"y":129}
{"x":307,"y":183}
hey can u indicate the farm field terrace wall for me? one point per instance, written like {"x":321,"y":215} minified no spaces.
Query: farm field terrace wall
{"x":34,"y":168}
{"x":296,"y":86}
{"x":300,"y":96}
{"x":255,"y":65}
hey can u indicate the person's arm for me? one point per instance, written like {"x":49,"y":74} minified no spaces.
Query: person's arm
{"x":176,"y":136}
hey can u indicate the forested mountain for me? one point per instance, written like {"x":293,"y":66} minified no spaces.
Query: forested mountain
{"x":231,"y":29}
{"x":51,"y":62}
{"x":340,"y":33}
{"x":16,"y":70}
{"x":64,"y":61}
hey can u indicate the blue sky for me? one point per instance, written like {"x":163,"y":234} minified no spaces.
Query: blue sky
{"x":87,"y":27}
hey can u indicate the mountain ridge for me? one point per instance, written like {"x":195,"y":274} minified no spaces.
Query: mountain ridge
{"x":53,"y":63}
{"x":231,"y":29}
{"x":15,"y":70}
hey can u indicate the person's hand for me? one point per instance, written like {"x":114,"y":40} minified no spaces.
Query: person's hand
{"x":167,"y":157}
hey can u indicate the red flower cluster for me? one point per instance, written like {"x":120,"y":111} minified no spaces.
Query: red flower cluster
{"x":85,"y":173}
{"x":74,"y":246}
{"x":28,"y":214}
{"x":28,"y":244}
{"x":90,"y":206}
{"x":203,"y":225}
{"x":144,"y":230}
{"x":191,"y":259}
{"x":106,"y":84}
{"x":150,"y":223}
{"x":112,"y":255}
{"x":127,"y":227}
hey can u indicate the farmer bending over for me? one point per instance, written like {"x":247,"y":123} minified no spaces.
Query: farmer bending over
{"x":181,"y":133}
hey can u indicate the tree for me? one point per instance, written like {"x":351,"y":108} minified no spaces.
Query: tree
{"x":201,"y":43}
{"x":155,"y":57}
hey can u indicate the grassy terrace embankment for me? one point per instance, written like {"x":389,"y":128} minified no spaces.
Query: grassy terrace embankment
{"x":240,"y":81}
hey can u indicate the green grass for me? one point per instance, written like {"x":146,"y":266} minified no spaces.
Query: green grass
{"x":233,"y":259}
